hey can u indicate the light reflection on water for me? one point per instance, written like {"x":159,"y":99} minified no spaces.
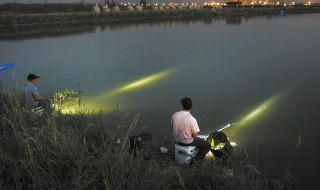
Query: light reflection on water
{"x":227,"y":69}
{"x":55,"y":30}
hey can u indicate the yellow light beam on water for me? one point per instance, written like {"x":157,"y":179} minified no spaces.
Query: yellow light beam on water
{"x":143,"y":82}
{"x":259,"y":111}
{"x":100,"y":102}
{"x":255,"y":113}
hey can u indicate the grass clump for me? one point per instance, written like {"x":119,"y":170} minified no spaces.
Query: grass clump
{"x":81,"y":152}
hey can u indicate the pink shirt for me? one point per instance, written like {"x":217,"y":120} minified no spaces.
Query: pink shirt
{"x":183,"y":125}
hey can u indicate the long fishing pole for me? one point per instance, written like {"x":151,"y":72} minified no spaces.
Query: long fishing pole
{"x":227,"y":126}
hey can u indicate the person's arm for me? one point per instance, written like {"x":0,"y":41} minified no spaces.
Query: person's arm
{"x":195,"y":128}
{"x":36,"y":95}
{"x":195,"y":134}
{"x":40,"y":98}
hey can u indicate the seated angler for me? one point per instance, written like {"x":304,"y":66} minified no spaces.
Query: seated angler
{"x":32,"y":94}
{"x":185,"y":130}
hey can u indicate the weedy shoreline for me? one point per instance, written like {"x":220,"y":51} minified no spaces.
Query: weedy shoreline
{"x":80,"y":151}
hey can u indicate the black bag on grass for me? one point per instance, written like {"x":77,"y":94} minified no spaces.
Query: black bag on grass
{"x":219,"y":137}
{"x":142,"y":144}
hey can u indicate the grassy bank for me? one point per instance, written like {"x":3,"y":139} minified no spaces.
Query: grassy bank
{"x":80,"y":152}
{"x":87,"y":17}
{"x":55,"y":30}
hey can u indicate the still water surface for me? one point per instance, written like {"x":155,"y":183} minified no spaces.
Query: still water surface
{"x":228,"y":67}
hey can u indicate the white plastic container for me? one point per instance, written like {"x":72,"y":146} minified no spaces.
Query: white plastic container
{"x":204,"y":137}
{"x":184,"y":154}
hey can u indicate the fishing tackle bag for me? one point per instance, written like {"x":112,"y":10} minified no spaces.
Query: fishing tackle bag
{"x":141,"y":144}
{"x":219,"y":138}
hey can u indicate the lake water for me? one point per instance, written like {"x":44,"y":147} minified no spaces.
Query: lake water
{"x":229,"y":67}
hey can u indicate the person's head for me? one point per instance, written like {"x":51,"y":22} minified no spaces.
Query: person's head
{"x":186,"y":103}
{"x":32,"y":78}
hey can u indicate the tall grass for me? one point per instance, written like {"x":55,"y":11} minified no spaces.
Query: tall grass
{"x":80,"y":152}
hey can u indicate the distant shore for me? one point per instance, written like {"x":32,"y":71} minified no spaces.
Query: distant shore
{"x":20,"y":21}
{"x":12,"y":15}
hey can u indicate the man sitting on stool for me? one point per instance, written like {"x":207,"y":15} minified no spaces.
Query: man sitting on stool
{"x":185,"y":130}
{"x":32,"y":94}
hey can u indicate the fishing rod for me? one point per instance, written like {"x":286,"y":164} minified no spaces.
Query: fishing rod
{"x":227,"y":126}
{"x":221,"y":129}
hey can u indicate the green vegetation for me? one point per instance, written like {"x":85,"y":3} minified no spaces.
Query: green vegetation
{"x":65,"y":99}
{"x":80,"y":152}
{"x":88,"y":17}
